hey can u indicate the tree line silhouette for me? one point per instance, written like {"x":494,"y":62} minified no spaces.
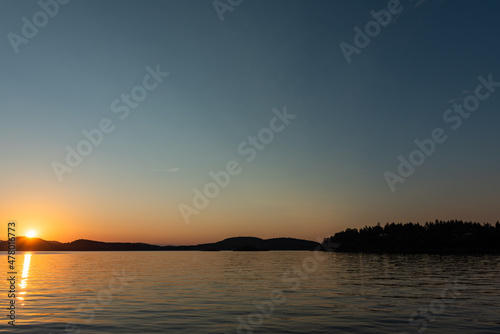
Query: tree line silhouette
{"x":453,"y":236}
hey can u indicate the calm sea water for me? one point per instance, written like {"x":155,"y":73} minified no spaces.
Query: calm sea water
{"x":253,"y":292}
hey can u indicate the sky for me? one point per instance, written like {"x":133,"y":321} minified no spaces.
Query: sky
{"x":329,"y":113}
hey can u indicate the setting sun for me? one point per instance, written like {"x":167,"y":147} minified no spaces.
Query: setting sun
{"x":31,"y":234}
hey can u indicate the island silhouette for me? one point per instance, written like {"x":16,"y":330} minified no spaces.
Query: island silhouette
{"x":229,"y":244}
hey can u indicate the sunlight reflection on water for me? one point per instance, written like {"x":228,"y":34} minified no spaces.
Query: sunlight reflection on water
{"x":25,"y":274}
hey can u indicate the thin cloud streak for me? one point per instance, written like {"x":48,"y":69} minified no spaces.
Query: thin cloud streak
{"x":166,"y":170}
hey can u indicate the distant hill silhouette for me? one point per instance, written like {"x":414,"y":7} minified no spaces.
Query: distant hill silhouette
{"x":24,"y":243}
{"x":252,"y":243}
{"x":235,"y":244}
{"x":439,"y":237}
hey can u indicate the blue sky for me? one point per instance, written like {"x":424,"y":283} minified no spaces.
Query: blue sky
{"x":323,"y":173}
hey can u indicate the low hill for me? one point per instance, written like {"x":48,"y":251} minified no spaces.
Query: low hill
{"x":252,"y":243}
{"x":28,"y":244}
{"x":90,"y":245}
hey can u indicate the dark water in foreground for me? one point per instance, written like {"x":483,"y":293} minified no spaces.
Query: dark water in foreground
{"x":259,"y":292}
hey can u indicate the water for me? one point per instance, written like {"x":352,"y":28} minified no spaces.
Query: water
{"x":259,"y":292}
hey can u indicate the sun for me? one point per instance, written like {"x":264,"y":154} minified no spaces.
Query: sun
{"x":31,"y":234}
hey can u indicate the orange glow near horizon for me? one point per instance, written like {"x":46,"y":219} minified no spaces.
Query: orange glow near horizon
{"x":73,"y":211}
{"x":31,"y":234}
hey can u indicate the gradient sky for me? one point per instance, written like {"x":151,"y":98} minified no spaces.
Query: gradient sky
{"x":322,"y":174}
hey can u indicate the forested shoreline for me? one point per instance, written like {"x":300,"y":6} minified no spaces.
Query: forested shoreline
{"x":440,"y":237}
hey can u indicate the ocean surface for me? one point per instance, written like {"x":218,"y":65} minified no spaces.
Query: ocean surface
{"x":252,"y":292}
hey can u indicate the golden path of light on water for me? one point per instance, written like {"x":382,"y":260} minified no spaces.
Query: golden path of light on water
{"x":26,"y":269}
